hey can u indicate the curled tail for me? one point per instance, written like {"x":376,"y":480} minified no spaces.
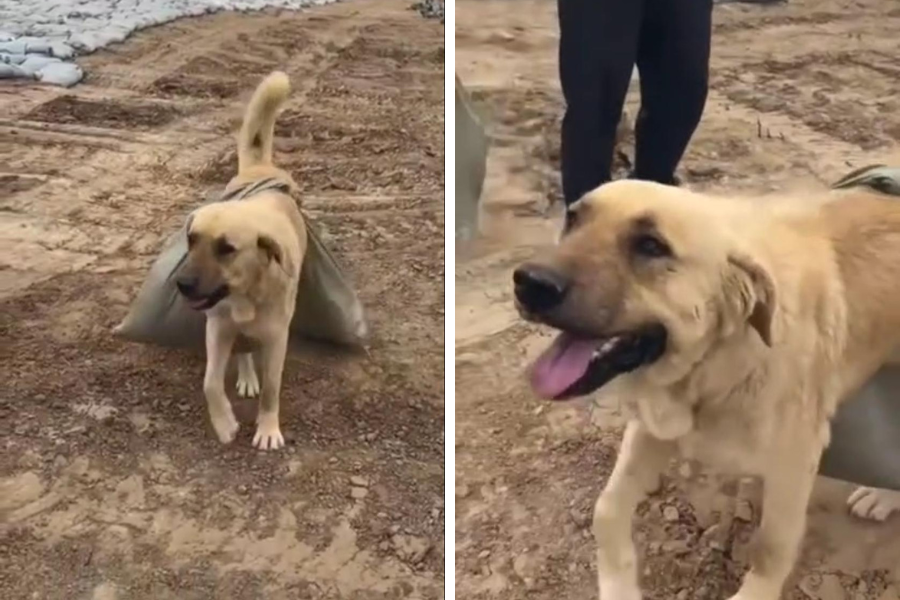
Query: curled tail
{"x":255,"y":139}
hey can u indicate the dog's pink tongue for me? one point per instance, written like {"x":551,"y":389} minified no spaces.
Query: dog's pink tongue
{"x":561,"y":365}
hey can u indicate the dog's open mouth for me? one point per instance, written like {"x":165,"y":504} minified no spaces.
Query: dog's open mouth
{"x":576,"y":366}
{"x":210,"y":300}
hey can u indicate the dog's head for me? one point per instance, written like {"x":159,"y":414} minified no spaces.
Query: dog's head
{"x":648,"y":277}
{"x":227,"y":256}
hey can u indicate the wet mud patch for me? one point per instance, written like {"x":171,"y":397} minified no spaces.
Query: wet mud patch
{"x":11,"y":184}
{"x":329,"y":135}
{"x":197,"y":86}
{"x":408,"y":173}
{"x":139,"y":116}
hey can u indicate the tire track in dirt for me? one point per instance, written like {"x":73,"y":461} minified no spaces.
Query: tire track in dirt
{"x":111,"y":482}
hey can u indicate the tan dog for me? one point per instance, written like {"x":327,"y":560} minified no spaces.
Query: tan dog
{"x":243,"y":267}
{"x":733,"y":328}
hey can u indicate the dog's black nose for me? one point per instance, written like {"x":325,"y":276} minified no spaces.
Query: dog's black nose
{"x":186,"y":285}
{"x":539,"y":289}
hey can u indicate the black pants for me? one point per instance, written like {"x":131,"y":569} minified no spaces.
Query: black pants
{"x":600,"y":42}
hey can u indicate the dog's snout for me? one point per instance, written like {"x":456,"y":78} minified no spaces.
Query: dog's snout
{"x":187,"y":285}
{"x":539,"y":289}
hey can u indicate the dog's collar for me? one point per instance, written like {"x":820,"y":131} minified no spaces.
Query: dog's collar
{"x":257,"y":187}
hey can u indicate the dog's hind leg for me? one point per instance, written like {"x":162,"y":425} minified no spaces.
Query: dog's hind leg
{"x":874,"y":503}
{"x":247,"y":381}
{"x":268,"y":431}
{"x":785,"y":501}
{"x":219,"y":342}
{"x":642,"y":458}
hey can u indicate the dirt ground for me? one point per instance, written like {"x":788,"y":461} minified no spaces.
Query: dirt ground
{"x":801,"y":93}
{"x":112,"y":486}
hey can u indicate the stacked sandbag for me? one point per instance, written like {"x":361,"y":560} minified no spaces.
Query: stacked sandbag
{"x":38,"y":38}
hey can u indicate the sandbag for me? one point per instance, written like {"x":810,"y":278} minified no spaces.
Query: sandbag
{"x":865,"y":433}
{"x":471,"y":164}
{"x":327,"y":308}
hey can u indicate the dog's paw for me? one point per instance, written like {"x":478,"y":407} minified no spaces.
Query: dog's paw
{"x":619,"y":589}
{"x":873,"y":503}
{"x":268,"y":434}
{"x":247,"y":381}
{"x":225,"y":426}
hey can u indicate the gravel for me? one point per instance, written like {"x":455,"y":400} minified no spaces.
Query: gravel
{"x":430,"y":9}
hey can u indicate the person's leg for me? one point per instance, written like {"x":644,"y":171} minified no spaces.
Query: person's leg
{"x":597,"y":52}
{"x":673,"y":62}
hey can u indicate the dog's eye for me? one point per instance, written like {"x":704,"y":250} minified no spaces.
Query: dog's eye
{"x":650,"y":246}
{"x":223,"y":248}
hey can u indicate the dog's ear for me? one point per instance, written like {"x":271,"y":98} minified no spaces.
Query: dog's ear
{"x":271,"y":248}
{"x":755,"y":293}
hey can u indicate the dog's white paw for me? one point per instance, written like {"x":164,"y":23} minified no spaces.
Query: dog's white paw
{"x":268,"y":434}
{"x":617,"y":588}
{"x":873,"y":503}
{"x":225,"y":426}
{"x":247,"y":381}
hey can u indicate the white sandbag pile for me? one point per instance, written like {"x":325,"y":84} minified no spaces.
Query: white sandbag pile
{"x":39,"y":37}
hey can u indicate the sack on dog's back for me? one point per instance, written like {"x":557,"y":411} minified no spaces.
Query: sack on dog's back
{"x":877,"y":177}
{"x":327,"y":308}
{"x":865,"y":431}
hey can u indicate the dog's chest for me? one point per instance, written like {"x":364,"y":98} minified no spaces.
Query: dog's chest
{"x":722,"y":454}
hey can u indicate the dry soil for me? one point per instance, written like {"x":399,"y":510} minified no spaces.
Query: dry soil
{"x":112,"y":486}
{"x":801,"y":93}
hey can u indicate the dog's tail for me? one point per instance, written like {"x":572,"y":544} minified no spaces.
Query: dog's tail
{"x":255,"y":139}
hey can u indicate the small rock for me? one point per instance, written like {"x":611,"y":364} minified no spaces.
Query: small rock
{"x":715,"y":537}
{"x":892,"y":593}
{"x":358,"y":493}
{"x":675,"y":547}
{"x":685,"y":471}
{"x":580,"y":518}
{"x":743,"y":511}
{"x":358,"y":481}
{"x":462,"y":491}
{"x":670,"y":514}
{"x":831,"y":588}
{"x":484,"y":554}
{"x":410,"y":548}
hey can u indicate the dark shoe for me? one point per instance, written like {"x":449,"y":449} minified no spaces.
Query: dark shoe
{"x":675,"y":181}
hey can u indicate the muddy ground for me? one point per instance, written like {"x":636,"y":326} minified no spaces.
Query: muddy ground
{"x":801,"y":93}
{"x":112,"y":486}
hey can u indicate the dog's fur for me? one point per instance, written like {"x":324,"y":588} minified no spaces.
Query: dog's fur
{"x":776,"y":310}
{"x":253,"y":249}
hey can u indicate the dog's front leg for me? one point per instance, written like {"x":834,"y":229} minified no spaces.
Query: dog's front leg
{"x":777,"y":544}
{"x":642,"y":458}
{"x":268,"y":432}
{"x":219,"y":341}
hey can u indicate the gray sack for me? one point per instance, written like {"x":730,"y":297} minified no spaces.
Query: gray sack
{"x":865,"y":434}
{"x":328,"y":309}
{"x":471,"y":163}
